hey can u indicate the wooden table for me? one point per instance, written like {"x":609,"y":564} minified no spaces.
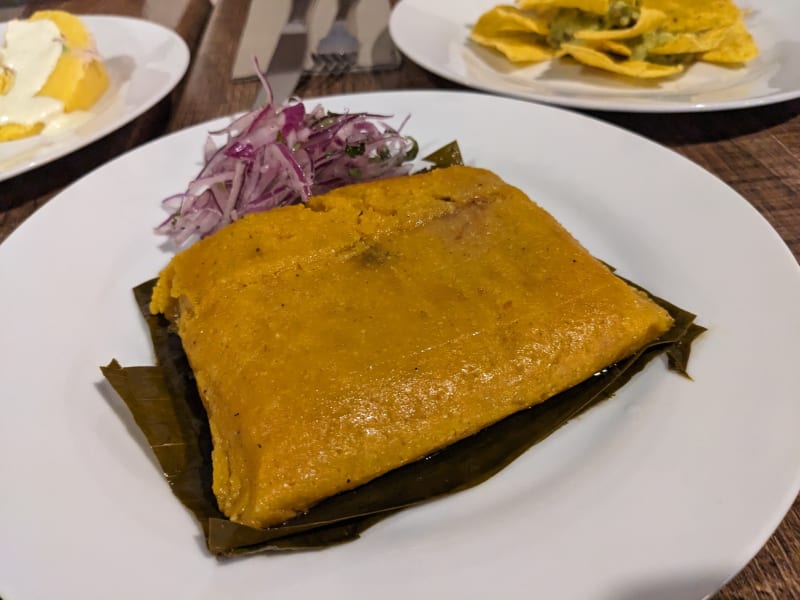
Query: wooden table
{"x":755,"y":151}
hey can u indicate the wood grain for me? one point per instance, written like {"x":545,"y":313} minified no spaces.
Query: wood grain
{"x":755,"y":151}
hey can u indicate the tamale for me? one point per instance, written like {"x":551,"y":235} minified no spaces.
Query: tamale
{"x":337,"y":341}
{"x":163,"y":400}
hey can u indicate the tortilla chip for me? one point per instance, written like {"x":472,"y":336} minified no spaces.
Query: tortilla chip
{"x":639,"y":69}
{"x":599,"y":7}
{"x":612,"y":47}
{"x":649,"y":20}
{"x":695,"y":15}
{"x":665,"y":32}
{"x":690,"y":43}
{"x":737,"y":47}
{"x":510,"y":18}
{"x":516,"y":46}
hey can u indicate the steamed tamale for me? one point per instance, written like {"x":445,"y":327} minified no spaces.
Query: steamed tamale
{"x":336,"y":341}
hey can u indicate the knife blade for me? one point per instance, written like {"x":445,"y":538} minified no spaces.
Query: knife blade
{"x":286,"y":66}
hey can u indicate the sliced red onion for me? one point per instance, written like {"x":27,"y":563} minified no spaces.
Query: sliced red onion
{"x":282,"y":155}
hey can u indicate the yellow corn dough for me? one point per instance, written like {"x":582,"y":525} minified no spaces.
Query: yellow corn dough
{"x":336,"y":341}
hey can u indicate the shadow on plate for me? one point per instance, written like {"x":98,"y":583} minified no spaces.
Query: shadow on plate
{"x":678,"y":587}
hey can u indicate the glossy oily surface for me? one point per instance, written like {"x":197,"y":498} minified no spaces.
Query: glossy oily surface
{"x":670,"y":485}
{"x":336,"y":342}
{"x":144,"y":62}
{"x":435,"y":35}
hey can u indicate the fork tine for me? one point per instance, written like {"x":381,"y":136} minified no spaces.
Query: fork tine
{"x":333,"y":64}
{"x":337,"y":52}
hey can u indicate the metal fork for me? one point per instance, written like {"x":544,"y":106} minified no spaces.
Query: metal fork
{"x":337,"y":52}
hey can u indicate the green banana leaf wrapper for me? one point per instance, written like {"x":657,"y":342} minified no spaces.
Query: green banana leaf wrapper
{"x":165,"y":404}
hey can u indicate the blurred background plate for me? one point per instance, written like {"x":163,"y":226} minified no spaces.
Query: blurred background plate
{"x":435,"y":36}
{"x":144,"y":62}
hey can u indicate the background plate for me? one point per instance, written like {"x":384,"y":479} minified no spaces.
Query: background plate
{"x":435,"y":35}
{"x":666,"y":490}
{"x":144,"y":62}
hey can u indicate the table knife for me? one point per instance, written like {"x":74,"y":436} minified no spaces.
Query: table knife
{"x":287,"y":63}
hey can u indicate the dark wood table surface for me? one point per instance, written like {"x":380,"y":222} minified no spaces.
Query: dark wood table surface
{"x":755,"y":151}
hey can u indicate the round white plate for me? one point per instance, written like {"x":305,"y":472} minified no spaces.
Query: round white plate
{"x":435,"y":35}
{"x":144,"y":62}
{"x":666,"y":490}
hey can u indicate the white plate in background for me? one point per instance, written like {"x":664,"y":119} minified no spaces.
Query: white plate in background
{"x":435,"y":35}
{"x":144,"y":62}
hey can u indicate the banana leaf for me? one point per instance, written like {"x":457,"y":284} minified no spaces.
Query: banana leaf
{"x":446,"y":156}
{"x":164,"y":401}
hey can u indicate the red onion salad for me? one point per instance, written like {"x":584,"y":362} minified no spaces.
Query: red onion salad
{"x":282,"y":154}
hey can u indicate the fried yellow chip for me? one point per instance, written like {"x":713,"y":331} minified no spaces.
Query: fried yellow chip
{"x":639,"y":69}
{"x":510,"y":18}
{"x":737,"y":47}
{"x":690,"y":43}
{"x":695,"y":15}
{"x":649,"y":20}
{"x":516,"y":46}
{"x":610,"y":46}
{"x":599,"y":7}
{"x":644,"y":39}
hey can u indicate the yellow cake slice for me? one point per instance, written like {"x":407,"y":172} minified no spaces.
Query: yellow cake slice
{"x":73,"y":79}
{"x":336,"y":341}
{"x":80,"y":77}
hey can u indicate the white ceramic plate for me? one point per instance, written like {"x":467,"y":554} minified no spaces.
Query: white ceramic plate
{"x":144,"y":62}
{"x":665,"y":491}
{"x":435,"y":35}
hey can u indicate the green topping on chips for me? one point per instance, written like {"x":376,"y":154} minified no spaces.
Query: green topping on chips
{"x":637,"y":38}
